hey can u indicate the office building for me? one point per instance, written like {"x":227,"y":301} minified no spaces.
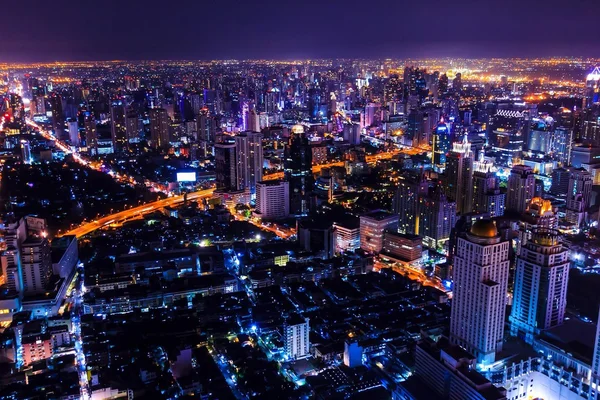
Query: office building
{"x":403,"y":247}
{"x":372,"y":227}
{"x":562,"y":144}
{"x":352,"y":133}
{"x":487,"y":197}
{"x":412,"y":185}
{"x":118,"y":129}
{"x":540,"y":289}
{"x":296,"y":340}
{"x":226,"y":167}
{"x":480,"y":275}
{"x":521,"y":188}
{"x":159,"y":128}
{"x":132,"y":126}
{"x":249,"y":153}
{"x":459,"y":172}
{"x":298,"y":171}
{"x":36,"y":263}
{"x":445,"y":371}
{"x":437,"y":217}
{"x":507,"y":129}
{"x":91,"y":134}
{"x":560,"y":181}
{"x":347,"y":236}
{"x":579,"y":196}
{"x":353,"y":354}
{"x":25,"y":152}
{"x":73,"y":128}
{"x":441,"y":144}
{"x":316,"y":236}
{"x":272,"y":199}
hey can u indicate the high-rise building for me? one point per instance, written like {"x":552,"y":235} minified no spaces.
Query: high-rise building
{"x":272,"y":199}
{"x":207,"y":131}
{"x":159,"y":128}
{"x":540,"y":289}
{"x":316,"y":236}
{"x":487,"y":197}
{"x":25,"y":152}
{"x":352,"y":133}
{"x":353,"y":354}
{"x":372,"y":227}
{"x":226,"y":167}
{"x":592,"y":83}
{"x":73,"y":128}
{"x":441,"y":144}
{"x":437,"y":217}
{"x":539,"y":215}
{"x":298,"y":171}
{"x":507,"y":129}
{"x":411,"y":187}
{"x":36,"y":263}
{"x":481,"y":267}
{"x":347,"y":236}
{"x":521,"y":188}
{"x":562,"y":143}
{"x":132,"y":125}
{"x":91,"y":134}
{"x":579,"y":195}
{"x":118,"y":129}
{"x":249,"y":160}
{"x":296,"y":339}
{"x":560,"y":181}
{"x":459,"y":172}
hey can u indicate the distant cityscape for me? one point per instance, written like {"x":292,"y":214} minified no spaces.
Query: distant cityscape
{"x":406,"y":229}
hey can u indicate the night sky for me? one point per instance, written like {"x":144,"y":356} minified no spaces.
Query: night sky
{"x":49,"y":30}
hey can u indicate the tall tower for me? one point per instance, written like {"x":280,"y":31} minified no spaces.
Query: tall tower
{"x":91,"y":134}
{"x":441,"y":144}
{"x":521,"y":188}
{"x":459,"y":170}
{"x":540,"y":292}
{"x":298,"y":171}
{"x":480,"y":282}
{"x":117,"y":126}
{"x":249,"y":159}
{"x":226,"y":167}
{"x":487,"y":197}
{"x":411,"y":187}
{"x":578,"y":195}
{"x":159,"y":128}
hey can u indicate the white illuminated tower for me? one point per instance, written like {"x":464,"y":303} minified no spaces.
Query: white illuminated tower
{"x":592,"y":82}
{"x":459,"y":169}
{"x":479,"y":296}
{"x":540,"y":293}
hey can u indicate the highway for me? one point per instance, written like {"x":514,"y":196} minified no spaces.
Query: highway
{"x":413,"y":274}
{"x":370,"y":159}
{"x":134,"y":212}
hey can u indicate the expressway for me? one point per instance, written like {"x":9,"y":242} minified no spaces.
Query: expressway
{"x":414,"y":274}
{"x":134,"y":212}
{"x":370,"y":159}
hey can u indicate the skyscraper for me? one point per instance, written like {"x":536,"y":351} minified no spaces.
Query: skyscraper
{"x":249,"y":160}
{"x":207,"y":131}
{"x":118,"y":129}
{"x":411,"y":187}
{"x":226,"y":167}
{"x":479,"y":297}
{"x":437,"y":216}
{"x":578,"y":196}
{"x":36,"y":264}
{"x":521,"y":188}
{"x":132,"y":125}
{"x":459,"y":172}
{"x":159,"y":128}
{"x":91,"y":134}
{"x":540,"y":290}
{"x":298,"y":171}
{"x":487,"y":197}
{"x":441,"y":144}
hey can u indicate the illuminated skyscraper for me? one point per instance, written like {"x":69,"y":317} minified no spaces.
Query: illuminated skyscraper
{"x":73,"y":128}
{"x":441,"y":144}
{"x":249,"y":160}
{"x":540,"y":290}
{"x":521,"y":188}
{"x":25,"y":152}
{"x":117,"y":126}
{"x":159,"y":128}
{"x":298,"y":171}
{"x":226,"y":167}
{"x":579,"y":196}
{"x":481,"y":267}
{"x":91,"y":134}
{"x":487,"y":197}
{"x":592,"y":83}
{"x":132,"y":125}
{"x":411,"y":187}
{"x":459,"y":173}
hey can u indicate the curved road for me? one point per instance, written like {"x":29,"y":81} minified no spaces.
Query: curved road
{"x":134,"y":212}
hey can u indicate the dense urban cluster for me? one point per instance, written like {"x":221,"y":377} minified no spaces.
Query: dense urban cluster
{"x":327,"y":229}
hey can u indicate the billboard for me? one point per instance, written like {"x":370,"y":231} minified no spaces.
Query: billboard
{"x":186,"y":177}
